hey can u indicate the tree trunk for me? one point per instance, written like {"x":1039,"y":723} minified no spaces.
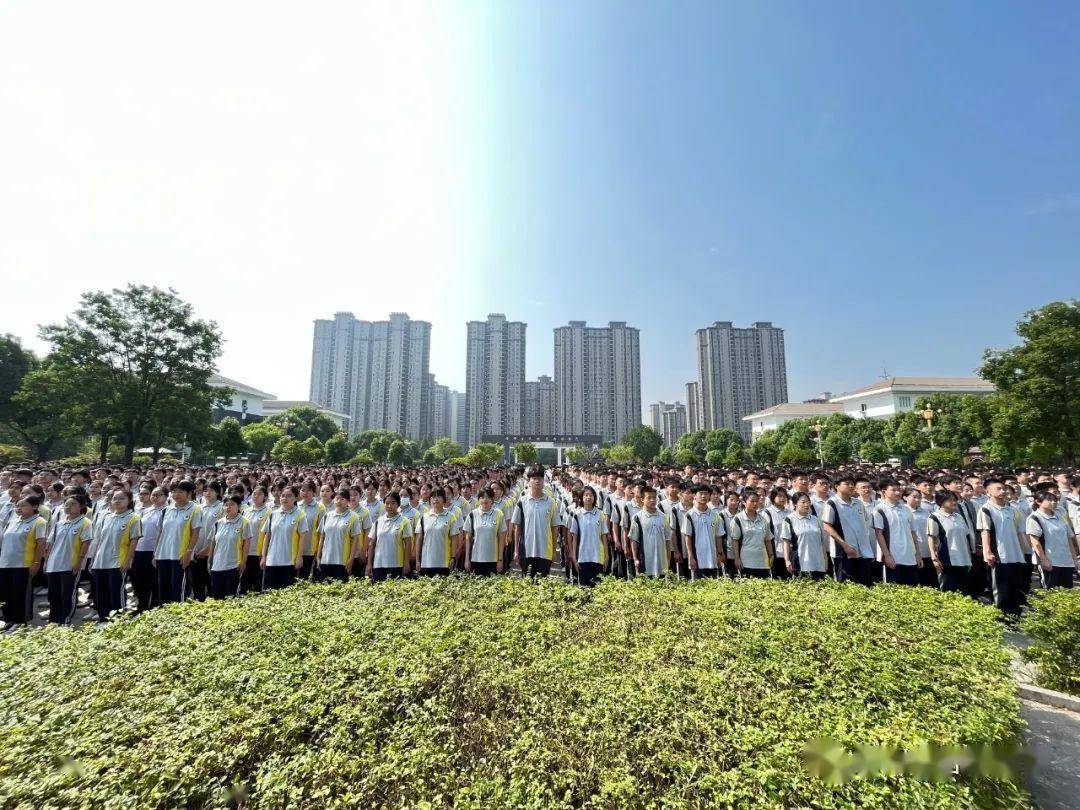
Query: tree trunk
{"x":103,"y":448}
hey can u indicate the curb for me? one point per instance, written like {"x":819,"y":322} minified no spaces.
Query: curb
{"x":1048,"y":697}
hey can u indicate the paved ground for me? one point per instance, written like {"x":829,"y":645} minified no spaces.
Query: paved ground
{"x":1053,"y":737}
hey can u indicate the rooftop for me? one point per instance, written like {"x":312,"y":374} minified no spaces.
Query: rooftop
{"x":796,"y":409}
{"x":218,"y":381}
{"x":943,"y":385}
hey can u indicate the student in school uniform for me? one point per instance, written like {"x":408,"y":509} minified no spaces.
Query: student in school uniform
{"x":198,"y":572}
{"x":804,"y":538}
{"x":589,"y":539}
{"x":256,"y":513}
{"x":341,"y":536}
{"x":181,"y":526}
{"x":920,"y":516}
{"x":439,"y":539}
{"x":730,"y":506}
{"x":485,"y":536}
{"x":536,"y":520}
{"x":21,"y":552}
{"x":898,"y":542}
{"x":776,"y":512}
{"x":703,"y":536}
{"x":999,"y":527}
{"x":651,"y":538}
{"x":752,"y":538}
{"x":950,"y":540}
{"x":313,"y":510}
{"x":848,"y":525}
{"x":114,"y":550}
{"x":65,"y":552}
{"x":286,"y":536}
{"x":389,"y":542}
{"x":230,"y":549}
{"x":1053,"y":542}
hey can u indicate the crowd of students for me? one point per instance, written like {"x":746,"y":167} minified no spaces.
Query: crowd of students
{"x":177,"y":533}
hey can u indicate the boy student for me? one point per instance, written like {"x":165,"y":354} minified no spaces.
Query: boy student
{"x":999,"y":528}
{"x":898,"y":542}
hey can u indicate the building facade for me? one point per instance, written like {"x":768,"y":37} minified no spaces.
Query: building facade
{"x":597,"y":380}
{"x":540,"y":405}
{"x":693,"y":407}
{"x":892,"y":395}
{"x":494,"y":377}
{"x":458,"y":423}
{"x":376,"y":372}
{"x":440,"y":410}
{"x":740,"y":372}
{"x":669,"y":420}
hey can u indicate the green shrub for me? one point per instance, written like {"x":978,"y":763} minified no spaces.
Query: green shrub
{"x":943,"y":458}
{"x":12,"y":454}
{"x":1054,"y":624}
{"x":500,"y":693}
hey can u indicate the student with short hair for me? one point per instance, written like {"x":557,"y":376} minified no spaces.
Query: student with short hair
{"x":21,"y":552}
{"x":438,"y":538}
{"x":114,"y":551}
{"x":589,"y":539}
{"x":898,"y":542}
{"x":752,"y":539}
{"x":180,"y":532}
{"x":650,"y":536}
{"x":341,"y":538}
{"x":703,"y":535}
{"x":950,"y":541}
{"x":485,"y":535}
{"x":999,"y":527}
{"x":65,"y":552}
{"x":230,"y":549}
{"x":286,"y":534}
{"x":536,"y":519}
{"x":390,"y":541}
{"x":803,"y":535}
{"x":1053,"y":542}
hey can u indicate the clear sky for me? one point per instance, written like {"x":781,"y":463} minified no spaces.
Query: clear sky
{"x":894,"y":184}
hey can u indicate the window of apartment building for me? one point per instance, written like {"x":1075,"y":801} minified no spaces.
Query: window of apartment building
{"x":905,"y":402}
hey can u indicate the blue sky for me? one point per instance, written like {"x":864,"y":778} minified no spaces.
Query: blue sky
{"x":894,"y":184}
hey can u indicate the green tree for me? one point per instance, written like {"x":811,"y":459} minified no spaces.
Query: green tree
{"x":944,"y":458}
{"x":766,"y":447}
{"x":836,"y":449}
{"x":261,"y":437}
{"x":721,"y":439}
{"x":644,"y":441}
{"x":362,"y":459}
{"x":337,"y":449}
{"x":574,"y":455}
{"x":484,"y":454}
{"x":735,"y":455}
{"x":694,"y":444}
{"x":526,"y":453}
{"x":40,"y":412}
{"x":144,"y":348}
{"x":15,"y":363}
{"x":227,"y":439}
{"x":395,"y":454}
{"x":618,"y":454}
{"x":714,"y":458}
{"x":304,"y":422}
{"x":873,"y":452}
{"x":794,"y":454}
{"x":445,"y":448}
{"x":665,"y":456}
{"x":906,"y":435}
{"x":380,"y":447}
{"x":1039,"y":381}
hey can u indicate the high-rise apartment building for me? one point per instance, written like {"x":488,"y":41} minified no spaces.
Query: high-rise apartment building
{"x":494,"y":377}
{"x":377,"y":372}
{"x":597,"y":380}
{"x":669,"y":420}
{"x":540,"y":406}
{"x":740,"y":371}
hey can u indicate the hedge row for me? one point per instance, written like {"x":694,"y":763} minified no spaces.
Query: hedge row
{"x":500,"y":693}
{"x":1054,"y":624}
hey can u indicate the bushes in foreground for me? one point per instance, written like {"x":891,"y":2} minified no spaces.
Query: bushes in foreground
{"x":1054,"y":624}
{"x":501,"y":693}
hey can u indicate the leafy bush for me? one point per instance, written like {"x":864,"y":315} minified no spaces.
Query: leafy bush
{"x":12,"y":454}
{"x":500,"y":693}
{"x":1054,"y":623}
{"x":943,"y":458}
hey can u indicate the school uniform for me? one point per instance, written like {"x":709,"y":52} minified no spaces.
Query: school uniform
{"x":538,"y":519}
{"x":198,"y":571}
{"x":436,"y":542}
{"x":314,"y":513}
{"x":251,"y":579}
{"x":927,"y":574}
{"x":979,"y":575}
{"x":852,"y":521}
{"x":755,"y":539}
{"x":952,"y":540}
{"x":389,"y":537}
{"x":283,"y":547}
{"x":1054,"y":532}
{"x":806,"y":535}
{"x":66,"y":540}
{"x":18,"y":552}
{"x":115,"y":542}
{"x":897,"y":525}
{"x":650,"y":532}
{"x":593,"y":553}
{"x":485,"y":530}
{"x":776,"y":517}
{"x":174,"y":542}
{"x":1006,"y":576}
{"x":143,"y":574}
{"x":701,"y":530}
{"x":726,"y":517}
{"x":341,"y":535}
{"x":228,"y":550}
